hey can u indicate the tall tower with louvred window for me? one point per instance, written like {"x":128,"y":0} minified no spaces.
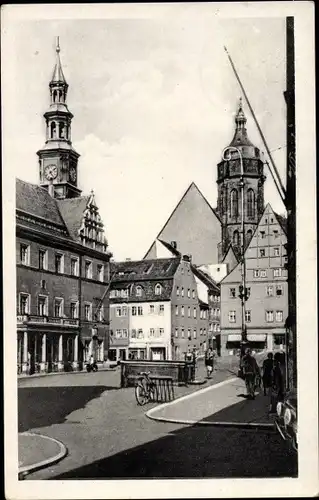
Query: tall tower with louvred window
{"x":58,"y":161}
{"x":229,"y":193}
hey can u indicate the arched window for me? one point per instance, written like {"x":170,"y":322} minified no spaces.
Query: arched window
{"x":234,"y":203}
{"x":249,"y":235}
{"x":158,"y":289}
{"x":61,"y":130}
{"x":54,"y":95}
{"x":236,"y":238}
{"x":53,"y":130}
{"x":138,"y":291}
{"x":250,"y":203}
{"x":60,"y":95}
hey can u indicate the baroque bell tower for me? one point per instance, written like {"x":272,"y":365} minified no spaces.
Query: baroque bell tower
{"x":241,"y":161}
{"x":58,"y":161}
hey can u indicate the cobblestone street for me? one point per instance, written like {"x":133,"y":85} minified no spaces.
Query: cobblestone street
{"x":108,"y":435}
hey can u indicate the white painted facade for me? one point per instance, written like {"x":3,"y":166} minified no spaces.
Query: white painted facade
{"x":216,"y":271}
{"x":150,"y":330}
{"x":202,"y":290}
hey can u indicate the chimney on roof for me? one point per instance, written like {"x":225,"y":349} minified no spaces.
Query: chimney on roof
{"x":128,"y":259}
{"x":187,"y":257}
{"x":174,"y":244}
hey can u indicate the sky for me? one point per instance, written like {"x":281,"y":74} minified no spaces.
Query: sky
{"x":154,"y":101}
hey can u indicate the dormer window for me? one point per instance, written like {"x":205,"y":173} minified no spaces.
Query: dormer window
{"x":158,"y":289}
{"x":138,"y":291}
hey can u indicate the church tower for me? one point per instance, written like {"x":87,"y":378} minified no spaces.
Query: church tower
{"x":240,"y":155}
{"x":58,"y":161}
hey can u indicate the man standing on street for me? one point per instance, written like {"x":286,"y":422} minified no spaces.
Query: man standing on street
{"x":209,"y":361}
{"x":250,"y":372}
{"x":268,"y":366}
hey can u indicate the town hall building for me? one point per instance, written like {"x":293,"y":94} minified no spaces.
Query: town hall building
{"x":62,"y":254}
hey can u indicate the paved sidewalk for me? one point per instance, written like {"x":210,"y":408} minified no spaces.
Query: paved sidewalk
{"x":108,"y":366}
{"x":37,"y":451}
{"x":221,"y":404}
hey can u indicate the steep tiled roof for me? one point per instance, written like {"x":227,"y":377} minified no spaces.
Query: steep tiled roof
{"x":140,"y":270}
{"x":203,"y":276}
{"x":282,"y":221}
{"x":171,"y":248}
{"x":72,"y":210}
{"x":36,"y":201}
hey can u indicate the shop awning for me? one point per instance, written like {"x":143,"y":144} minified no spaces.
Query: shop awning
{"x":255,"y":337}
{"x":234,"y":337}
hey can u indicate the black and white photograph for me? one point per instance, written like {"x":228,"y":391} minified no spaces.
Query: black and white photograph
{"x":159,"y":194}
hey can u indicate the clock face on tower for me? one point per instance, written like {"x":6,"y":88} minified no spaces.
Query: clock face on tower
{"x":50,"y":172}
{"x":72,"y":174}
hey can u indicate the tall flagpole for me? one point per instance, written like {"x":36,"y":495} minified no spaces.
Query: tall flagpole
{"x":282,"y":190}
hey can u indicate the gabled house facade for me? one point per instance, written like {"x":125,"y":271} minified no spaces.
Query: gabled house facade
{"x":266,"y":279}
{"x":156,"y":311}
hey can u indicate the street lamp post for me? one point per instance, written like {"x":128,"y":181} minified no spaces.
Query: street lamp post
{"x":242,"y":289}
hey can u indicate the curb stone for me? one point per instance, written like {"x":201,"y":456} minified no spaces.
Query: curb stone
{"x":240,"y":425}
{"x":28,"y":469}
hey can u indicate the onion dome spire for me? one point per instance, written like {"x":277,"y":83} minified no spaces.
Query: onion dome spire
{"x":240,"y":138}
{"x":58,"y":76}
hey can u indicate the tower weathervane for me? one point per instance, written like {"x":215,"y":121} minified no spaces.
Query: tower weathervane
{"x":57,"y":44}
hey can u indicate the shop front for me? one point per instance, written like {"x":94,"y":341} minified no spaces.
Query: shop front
{"x":157,"y":353}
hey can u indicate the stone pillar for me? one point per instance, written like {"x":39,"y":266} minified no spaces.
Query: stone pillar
{"x":43,"y":364}
{"x":75,"y":364}
{"x":90,"y":349}
{"x":60,"y":358}
{"x":269,"y":342}
{"x":25,"y":366}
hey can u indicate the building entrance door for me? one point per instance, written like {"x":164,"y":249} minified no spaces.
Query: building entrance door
{"x":52,"y":354}
{"x":158,"y":353}
{"x":122,"y":354}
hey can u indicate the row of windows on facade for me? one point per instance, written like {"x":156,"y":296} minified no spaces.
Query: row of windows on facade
{"x":263,"y":234}
{"x":139,"y":333}
{"x":215,"y":327}
{"x":278,"y":289}
{"x":234,"y":212}
{"x":214,"y":298}
{"x":275,"y":252}
{"x":180,"y":310}
{"x":42,"y":308}
{"x":139,"y":310}
{"x":160,"y":309}
{"x":249,"y":233}
{"x":124,"y":293}
{"x":263,"y":273}
{"x":158,"y":291}
{"x":157,"y":332}
{"x":59,"y":263}
{"x":269,"y":316}
{"x":215,"y":313}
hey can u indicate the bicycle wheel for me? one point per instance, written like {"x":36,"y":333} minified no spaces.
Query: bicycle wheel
{"x":141,"y":392}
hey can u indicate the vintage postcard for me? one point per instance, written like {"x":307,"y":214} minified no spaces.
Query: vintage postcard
{"x":159,"y":194}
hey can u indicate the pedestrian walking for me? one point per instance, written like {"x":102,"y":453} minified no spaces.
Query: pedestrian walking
{"x":250,"y":372}
{"x":209,"y":361}
{"x":267,"y":370}
{"x":278,"y":381}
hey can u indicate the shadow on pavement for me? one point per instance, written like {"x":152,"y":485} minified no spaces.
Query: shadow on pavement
{"x":245,"y":411}
{"x":44,"y":406}
{"x":197,"y":452}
